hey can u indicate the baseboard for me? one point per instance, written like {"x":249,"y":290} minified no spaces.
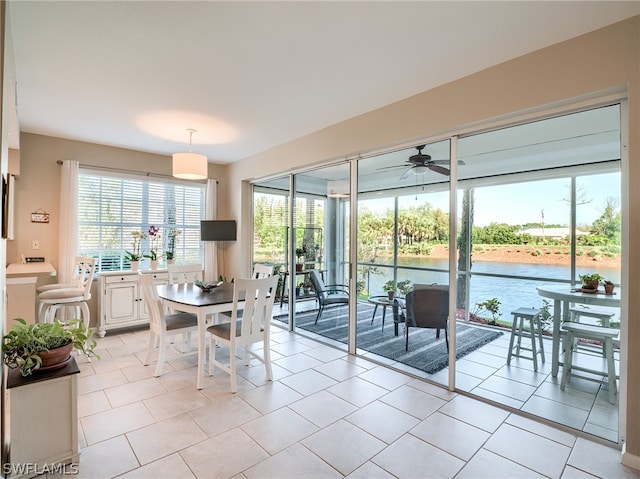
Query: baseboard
{"x":630,"y":459}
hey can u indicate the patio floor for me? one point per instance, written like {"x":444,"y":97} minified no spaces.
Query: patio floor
{"x":583,"y":405}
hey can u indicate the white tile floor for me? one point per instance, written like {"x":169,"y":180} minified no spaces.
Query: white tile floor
{"x":326,"y":414}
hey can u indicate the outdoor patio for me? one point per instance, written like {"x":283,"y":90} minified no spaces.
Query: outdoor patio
{"x":583,"y":405}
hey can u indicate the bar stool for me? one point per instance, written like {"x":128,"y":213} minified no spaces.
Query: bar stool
{"x":577,"y":331}
{"x":531,"y":315}
{"x":604,"y":318}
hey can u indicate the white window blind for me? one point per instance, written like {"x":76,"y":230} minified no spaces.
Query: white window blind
{"x":112,"y":206}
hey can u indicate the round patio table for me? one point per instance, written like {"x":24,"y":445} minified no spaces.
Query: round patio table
{"x":384,"y":301}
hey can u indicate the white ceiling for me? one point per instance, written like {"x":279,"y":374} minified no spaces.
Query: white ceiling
{"x":252,"y":75}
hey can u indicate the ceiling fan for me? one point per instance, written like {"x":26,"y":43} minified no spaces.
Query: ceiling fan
{"x":420,"y":163}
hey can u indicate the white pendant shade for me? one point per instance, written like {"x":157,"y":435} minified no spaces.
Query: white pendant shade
{"x":190,"y":166}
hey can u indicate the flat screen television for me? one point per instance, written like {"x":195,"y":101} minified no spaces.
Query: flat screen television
{"x":217,"y":230}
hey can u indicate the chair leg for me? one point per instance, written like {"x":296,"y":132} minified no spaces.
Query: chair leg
{"x":406,"y":335}
{"x":534,"y":352}
{"x":161,"y":354}
{"x":150,"y":348}
{"x":446,"y":338}
{"x":267,"y":358}
{"x":232,"y":367}
{"x":319,"y":313}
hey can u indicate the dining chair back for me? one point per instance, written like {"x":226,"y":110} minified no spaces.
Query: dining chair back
{"x":74,"y":294}
{"x":162,"y":325}
{"x":262,"y":270}
{"x":185,"y":273}
{"x":428,"y":307}
{"x":327,"y":294}
{"x":255,"y":298}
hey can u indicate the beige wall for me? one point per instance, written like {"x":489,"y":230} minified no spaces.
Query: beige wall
{"x":38,"y":185}
{"x":602,"y":61}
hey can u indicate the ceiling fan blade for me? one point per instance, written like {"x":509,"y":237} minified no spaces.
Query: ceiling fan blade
{"x":445,"y":162}
{"x":391,"y":167}
{"x":438,"y":169}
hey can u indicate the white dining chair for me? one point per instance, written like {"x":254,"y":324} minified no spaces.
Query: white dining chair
{"x":253,"y":327}
{"x":184,"y":273}
{"x":161,"y":324}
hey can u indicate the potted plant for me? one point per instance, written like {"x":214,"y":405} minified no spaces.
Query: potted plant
{"x":590,"y":281}
{"x":45,"y":346}
{"x":133,"y":256}
{"x":405,"y":286}
{"x":390,"y":287}
{"x":154,"y":237}
{"x":300,"y":252}
{"x":171,"y":245}
{"x":608,"y":286}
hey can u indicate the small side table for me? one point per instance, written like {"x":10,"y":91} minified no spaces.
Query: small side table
{"x":43,"y":420}
{"x":384,"y":301}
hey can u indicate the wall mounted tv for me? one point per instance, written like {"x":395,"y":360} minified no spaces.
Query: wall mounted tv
{"x":217,"y":230}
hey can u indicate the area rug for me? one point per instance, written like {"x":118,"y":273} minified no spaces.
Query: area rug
{"x":425,"y":351}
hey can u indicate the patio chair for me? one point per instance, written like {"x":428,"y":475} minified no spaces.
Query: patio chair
{"x":427,"y":307}
{"x":327,"y":294}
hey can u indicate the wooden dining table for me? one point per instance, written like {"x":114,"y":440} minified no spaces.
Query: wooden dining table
{"x":189,"y":298}
{"x":563,"y":296}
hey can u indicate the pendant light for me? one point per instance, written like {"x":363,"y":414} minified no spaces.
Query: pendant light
{"x":190,"y":166}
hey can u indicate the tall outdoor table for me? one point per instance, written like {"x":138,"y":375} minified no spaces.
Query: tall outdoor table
{"x":563,"y":296}
{"x":189,"y":298}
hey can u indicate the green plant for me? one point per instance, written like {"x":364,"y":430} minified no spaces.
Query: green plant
{"x":134,"y":254}
{"x":606,"y":281}
{"x":405,"y":286}
{"x":546,"y":317}
{"x":21,"y":346}
{"x":491,"y":306}
{"x":590,"y":277}
{"x":390,"y":286}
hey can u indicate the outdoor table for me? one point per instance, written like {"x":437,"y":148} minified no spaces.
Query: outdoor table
{"x":562,"y":296}
{"x":384,"y":301}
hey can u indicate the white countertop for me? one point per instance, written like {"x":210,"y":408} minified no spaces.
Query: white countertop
{"x":31,"y":269}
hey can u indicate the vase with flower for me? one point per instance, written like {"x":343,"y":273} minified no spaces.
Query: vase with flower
{"x":171,"y":244}
{"x":154,"y":238}
{"x":133,"y":256}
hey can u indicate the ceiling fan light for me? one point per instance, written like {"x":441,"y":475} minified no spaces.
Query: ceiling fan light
{"x":419,"y":170}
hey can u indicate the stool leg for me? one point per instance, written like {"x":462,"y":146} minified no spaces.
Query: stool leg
{"x":568,"y":353}
{"x":611,"y":370}
{"x":520,"y":324}
{"x":539,"y":329}
{"x":532,"y":335}
{"x":513,"y":335}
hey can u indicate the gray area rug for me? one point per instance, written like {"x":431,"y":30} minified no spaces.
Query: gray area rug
{"x":425,"y":351}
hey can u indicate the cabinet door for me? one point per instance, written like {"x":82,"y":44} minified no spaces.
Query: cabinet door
{"x":122,"y":302}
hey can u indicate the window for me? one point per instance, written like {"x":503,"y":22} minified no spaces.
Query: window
{"x":112,"y":206}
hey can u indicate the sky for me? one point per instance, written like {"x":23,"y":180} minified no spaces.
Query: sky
{"x":522,"y":203}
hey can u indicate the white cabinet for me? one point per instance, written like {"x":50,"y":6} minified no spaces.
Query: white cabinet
{"x":121,"y":303}
{"x":43,"y":432}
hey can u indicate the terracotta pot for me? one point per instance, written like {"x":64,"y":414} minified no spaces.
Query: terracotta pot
{"x":608,"y":288}
{"x":591,"y":285}
{"x":55,"y":358}
{"x":299,"y":266}
{"x":391,"y":294}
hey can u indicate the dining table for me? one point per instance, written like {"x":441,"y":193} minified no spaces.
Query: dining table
{"x":563,"y":296}
{"x":190,"y":298}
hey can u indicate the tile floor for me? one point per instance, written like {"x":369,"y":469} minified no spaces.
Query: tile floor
{"x":326,"y":414}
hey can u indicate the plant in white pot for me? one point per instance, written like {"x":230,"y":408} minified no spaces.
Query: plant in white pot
{"x":29,"y":347}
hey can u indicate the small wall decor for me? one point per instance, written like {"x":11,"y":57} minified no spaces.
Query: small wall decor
{"x":39,"y":216}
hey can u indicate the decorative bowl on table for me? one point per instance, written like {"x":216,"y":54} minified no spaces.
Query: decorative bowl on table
{"x":206,"y":286}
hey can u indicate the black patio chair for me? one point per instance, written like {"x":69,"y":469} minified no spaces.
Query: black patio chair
{"x":327,"y":294}
{"x":428,"y":307}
